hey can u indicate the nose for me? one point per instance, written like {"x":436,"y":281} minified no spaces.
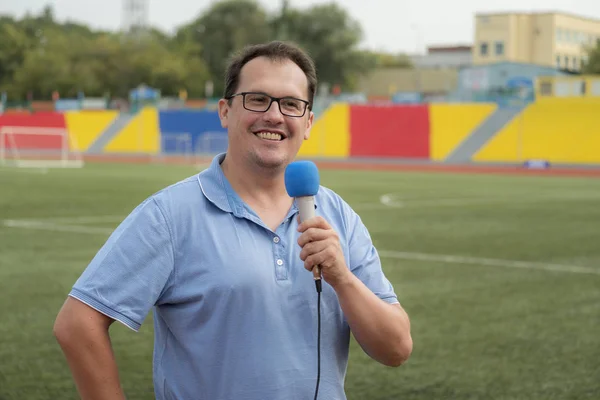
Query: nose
{"x":273,"y":113}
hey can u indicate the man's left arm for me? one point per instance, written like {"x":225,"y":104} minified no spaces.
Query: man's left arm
{"x":382,"y":329}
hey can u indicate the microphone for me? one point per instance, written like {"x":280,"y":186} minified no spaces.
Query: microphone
{"x":302,"y":183}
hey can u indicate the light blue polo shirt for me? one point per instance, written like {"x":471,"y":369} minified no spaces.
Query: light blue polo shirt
{"x":235,"y":312}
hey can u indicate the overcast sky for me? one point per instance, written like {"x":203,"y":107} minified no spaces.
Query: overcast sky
{"x":390,"y":25}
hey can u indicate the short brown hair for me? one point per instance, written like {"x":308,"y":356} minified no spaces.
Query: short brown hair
{"x":275,"y":50}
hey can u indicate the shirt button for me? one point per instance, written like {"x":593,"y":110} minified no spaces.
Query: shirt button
{"x":276,"y":239}
{"x":280,"y":262}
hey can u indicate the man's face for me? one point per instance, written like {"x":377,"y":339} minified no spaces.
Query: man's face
{"x":267,"y":139}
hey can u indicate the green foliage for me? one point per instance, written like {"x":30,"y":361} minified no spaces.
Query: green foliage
{"x":592,"y":66}
{"x":331,"y":37}
{"x":225,"y":27}
{"x":39,"y":55}
{"x":386,"y":60}
{"x":13,"y":45}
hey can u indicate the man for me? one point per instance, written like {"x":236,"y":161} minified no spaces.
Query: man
{"x":221,"y":258}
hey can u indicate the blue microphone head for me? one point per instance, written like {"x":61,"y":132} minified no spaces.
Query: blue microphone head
{"x":302,"y":179}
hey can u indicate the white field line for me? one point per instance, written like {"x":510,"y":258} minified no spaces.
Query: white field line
{"x":391,"y":200}
{"x":388,"y":201}
{"x":49,"y":226}
{"x":37,"y":171}
{"x":440,"y":258}
{"x":77,"y":219}
{"x":488,"y":262}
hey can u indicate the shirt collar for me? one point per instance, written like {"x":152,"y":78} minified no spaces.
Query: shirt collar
{"x":217,"y":190}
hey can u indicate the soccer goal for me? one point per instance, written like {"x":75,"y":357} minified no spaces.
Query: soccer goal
{"x":175,"y":145}
{"x":38,"y":147}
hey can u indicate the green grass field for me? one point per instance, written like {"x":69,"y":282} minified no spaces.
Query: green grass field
{"x":500,"y":275}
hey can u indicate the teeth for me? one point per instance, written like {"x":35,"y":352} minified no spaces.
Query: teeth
{"x":269,"y":135}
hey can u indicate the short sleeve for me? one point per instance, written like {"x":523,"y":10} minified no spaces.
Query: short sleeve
{"x":131,"y":270}
{"x":364,"y":260}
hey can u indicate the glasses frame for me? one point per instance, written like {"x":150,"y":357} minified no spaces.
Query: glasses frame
{"x":273,"y":99}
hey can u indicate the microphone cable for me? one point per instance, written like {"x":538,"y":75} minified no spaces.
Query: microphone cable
{"x":319,"y":289}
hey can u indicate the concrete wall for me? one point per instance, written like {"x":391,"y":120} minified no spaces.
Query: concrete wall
{"x":559,"y":130}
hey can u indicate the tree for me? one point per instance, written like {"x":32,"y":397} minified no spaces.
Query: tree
{"x":387,"y":60}
{"x":13,"y":47}
{"x":279,"y":22}
{"x":224,"y":28}
{"x":39,"y":55}
{"x":331,"y":37}
{"x":123,"y":64}
{"x":592,"y":66}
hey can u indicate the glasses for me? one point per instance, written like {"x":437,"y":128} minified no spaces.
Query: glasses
{"x":261,"y":102}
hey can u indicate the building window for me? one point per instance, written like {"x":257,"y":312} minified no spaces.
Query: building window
{"x":483,"y":49}
{"x":499,"y":48}
{"x":559,"y":35}
{"x":557,"y":61}
{"x":575,"y":64}
{"x":566,"y":62}
{"x":546,"y":88}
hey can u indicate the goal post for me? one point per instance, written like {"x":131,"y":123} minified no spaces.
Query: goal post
{"x":38,"y":147}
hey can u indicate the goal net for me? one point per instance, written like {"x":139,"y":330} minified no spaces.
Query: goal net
{"x":211,"y":143}
{"x":179,"y":144}
{"x":37,"y":147}
{"x":175,"y":146}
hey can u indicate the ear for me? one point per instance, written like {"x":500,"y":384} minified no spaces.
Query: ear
{"x":223,"y":112}
{"x":309,"y":123}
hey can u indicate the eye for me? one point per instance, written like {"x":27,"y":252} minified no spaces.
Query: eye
{"x":292,"y":104}
{"x":257,"y":98}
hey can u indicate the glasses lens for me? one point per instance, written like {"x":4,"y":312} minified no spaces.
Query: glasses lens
{"x":292,"y":106}
{"x":257,"y":102}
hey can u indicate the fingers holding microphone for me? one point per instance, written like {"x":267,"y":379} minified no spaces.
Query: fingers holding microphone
{"x":321,"y":248}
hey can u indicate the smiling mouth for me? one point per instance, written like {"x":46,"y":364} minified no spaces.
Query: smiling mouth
{"x":269,"y":136}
